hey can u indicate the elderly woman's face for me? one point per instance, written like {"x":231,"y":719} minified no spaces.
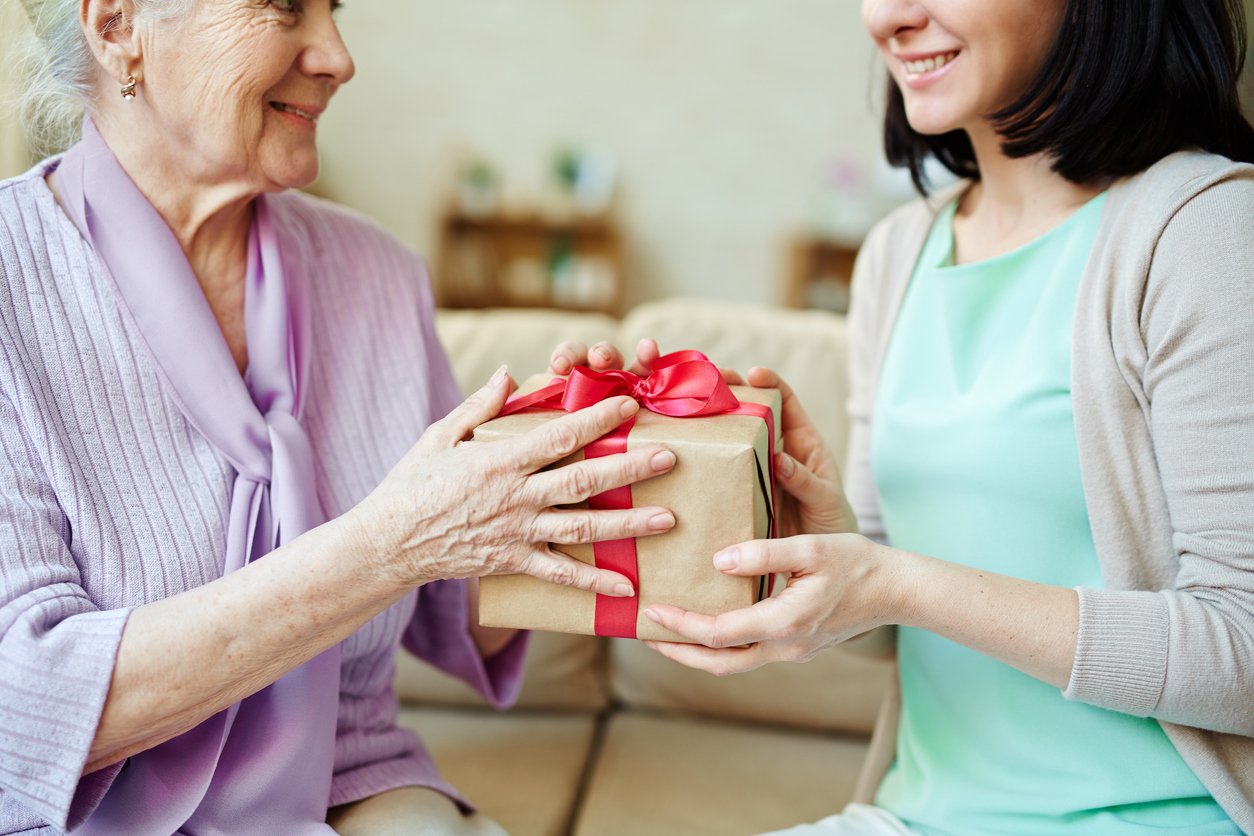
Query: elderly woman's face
{"x":958,"y":61}
{"x":237,"y":87}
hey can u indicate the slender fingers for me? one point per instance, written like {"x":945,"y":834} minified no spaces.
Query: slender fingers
{"x":584,"y":526}
{"x":566,"y":434}
{"x":745,"y":626}
{"x":483,"y":405}
{"x":566,"y":356}
{"x":718,"y":662}
{"x":799,"y":481}
{"x":604,"y":356}
{"x":732,"y":377}
{"x":580,"y":480}
{"x":647,"y":352}
{"x":767,"y":557}
{"x":792,"y":412}
{"x":563,"y":570}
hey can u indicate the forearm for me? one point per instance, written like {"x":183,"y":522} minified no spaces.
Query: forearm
{"x":1029,"y":626}
{"x":183,"y":659}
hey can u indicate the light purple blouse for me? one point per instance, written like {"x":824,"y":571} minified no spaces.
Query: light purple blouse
{"x":111,"y":498}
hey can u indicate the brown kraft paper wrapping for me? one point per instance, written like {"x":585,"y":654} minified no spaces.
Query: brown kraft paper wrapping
{"x":719,"y":492}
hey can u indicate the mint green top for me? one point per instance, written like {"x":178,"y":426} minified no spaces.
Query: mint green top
{"x":974,"y":455}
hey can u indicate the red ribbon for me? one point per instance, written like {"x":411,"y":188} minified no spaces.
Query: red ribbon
{"x":683,"y":384}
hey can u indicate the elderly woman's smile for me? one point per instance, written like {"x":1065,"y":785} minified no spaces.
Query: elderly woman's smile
{"x":237,"y":85}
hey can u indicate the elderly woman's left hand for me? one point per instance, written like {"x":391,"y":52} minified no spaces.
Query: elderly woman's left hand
{"x":839,"y":586}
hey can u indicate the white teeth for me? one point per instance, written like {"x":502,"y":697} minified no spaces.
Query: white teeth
{"x":927,"y":65}
{"x":290,"y":109}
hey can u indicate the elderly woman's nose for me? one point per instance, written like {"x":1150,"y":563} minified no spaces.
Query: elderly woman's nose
{"x":886,"y":19}
{"x":328,"y":57}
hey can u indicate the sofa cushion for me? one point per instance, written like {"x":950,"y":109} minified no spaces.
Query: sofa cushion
{"x":669,"y":776}
{"x":523,"y":770}
{"x":807,"y":348}
{"x":836,"y":691}
{"x":562,"y":673}
{"x":477,"y":342}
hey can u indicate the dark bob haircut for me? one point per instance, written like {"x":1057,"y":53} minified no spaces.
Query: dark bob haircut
{"x":1126,"y":83}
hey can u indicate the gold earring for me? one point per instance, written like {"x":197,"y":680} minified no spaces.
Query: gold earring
{"x":128,"y":89}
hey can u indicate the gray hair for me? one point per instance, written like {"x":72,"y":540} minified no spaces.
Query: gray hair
{"x":57,"y":68}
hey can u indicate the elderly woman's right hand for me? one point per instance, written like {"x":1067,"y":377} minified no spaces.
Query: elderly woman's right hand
{"x":454,"y":508}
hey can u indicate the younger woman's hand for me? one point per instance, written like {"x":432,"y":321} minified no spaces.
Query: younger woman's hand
{"x":456,"y":508}
{"x":813,"y":500}
{"x":839,"y":586}
{"x":602,"y":356}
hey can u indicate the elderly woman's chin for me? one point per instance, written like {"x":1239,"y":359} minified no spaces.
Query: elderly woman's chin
{"x":290,"y":168}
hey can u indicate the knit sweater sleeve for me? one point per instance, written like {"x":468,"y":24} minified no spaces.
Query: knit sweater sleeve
{"x":1185,"y":654}
{"x":57,"y":649}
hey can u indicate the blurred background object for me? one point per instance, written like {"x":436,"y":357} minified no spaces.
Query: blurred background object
{"x":14,"y":153}
{"x":643,"y":149}
{"x":599,"y":155}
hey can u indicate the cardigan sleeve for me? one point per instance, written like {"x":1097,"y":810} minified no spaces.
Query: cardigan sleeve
{"x":1186,"y":654}
{"x":57,"y":649}
{"x":865,"y":321}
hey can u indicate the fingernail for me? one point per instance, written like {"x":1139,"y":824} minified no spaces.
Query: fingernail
{"x":560,"y":363}
{"x":727,"y":560}
{"x":629,"y":408}
{"x":602,"y":353}
{"x":499,"y":377}
{"x":623,"y":590}
{"x":664,"y":460}
{"x":653,"y":616}
{"x":786,"y":465}
{"x":662,"y":522}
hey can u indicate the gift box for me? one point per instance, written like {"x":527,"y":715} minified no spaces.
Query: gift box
{"x":720,"y":492}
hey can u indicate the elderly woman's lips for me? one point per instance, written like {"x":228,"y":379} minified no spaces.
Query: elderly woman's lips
{"x":283,"y":107}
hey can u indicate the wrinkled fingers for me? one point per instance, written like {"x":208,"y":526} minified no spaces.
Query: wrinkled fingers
{"x":482,"y":406}
{"x":567,"y":434}
{"x":567,"y":355}
{"x":577,"y":527}
{"x":564,"y":570}
{"x":580,"y":480}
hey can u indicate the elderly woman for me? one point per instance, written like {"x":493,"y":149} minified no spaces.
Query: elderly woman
{"x":1052,"y":459}
{"x":197,"y":372}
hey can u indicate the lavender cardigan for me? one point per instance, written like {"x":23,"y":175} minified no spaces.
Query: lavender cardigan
{"x":110,"y":499}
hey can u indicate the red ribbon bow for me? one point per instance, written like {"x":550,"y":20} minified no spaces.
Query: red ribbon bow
{"x":683,"y":384}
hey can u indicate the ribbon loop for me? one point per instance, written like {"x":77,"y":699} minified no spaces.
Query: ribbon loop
{"x":683,"y":384}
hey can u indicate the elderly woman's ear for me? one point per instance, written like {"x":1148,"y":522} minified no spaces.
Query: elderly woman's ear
{"x":109,"y":26}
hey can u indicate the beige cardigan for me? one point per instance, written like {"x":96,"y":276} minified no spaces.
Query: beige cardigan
{"x":1162,"y":376}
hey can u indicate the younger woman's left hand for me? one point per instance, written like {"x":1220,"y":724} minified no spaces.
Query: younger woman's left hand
{"x":839,"y":586}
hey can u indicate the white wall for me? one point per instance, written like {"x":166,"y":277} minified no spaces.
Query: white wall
{"x":722,"y":114}
{"x":13,"y":155}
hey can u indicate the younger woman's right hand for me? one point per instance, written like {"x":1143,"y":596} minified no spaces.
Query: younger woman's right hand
{"x":456,"y":508}
{"x":813,"y":501}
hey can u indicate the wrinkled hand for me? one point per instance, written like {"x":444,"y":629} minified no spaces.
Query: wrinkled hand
{"x":601,"y":357}
{"x":455,"y":508}
{"x":839,"y":586}
{"x":813,"y":501}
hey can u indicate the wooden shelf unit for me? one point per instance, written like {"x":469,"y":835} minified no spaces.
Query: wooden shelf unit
{"x":530,"y":260}
{"x":820,"y":272}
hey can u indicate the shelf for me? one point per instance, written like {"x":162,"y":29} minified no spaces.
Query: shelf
{"x":530,"y":260}
{"x":819,"y":274}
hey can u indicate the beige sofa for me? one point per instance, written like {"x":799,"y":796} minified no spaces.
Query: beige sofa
{"x":608,"y":737}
